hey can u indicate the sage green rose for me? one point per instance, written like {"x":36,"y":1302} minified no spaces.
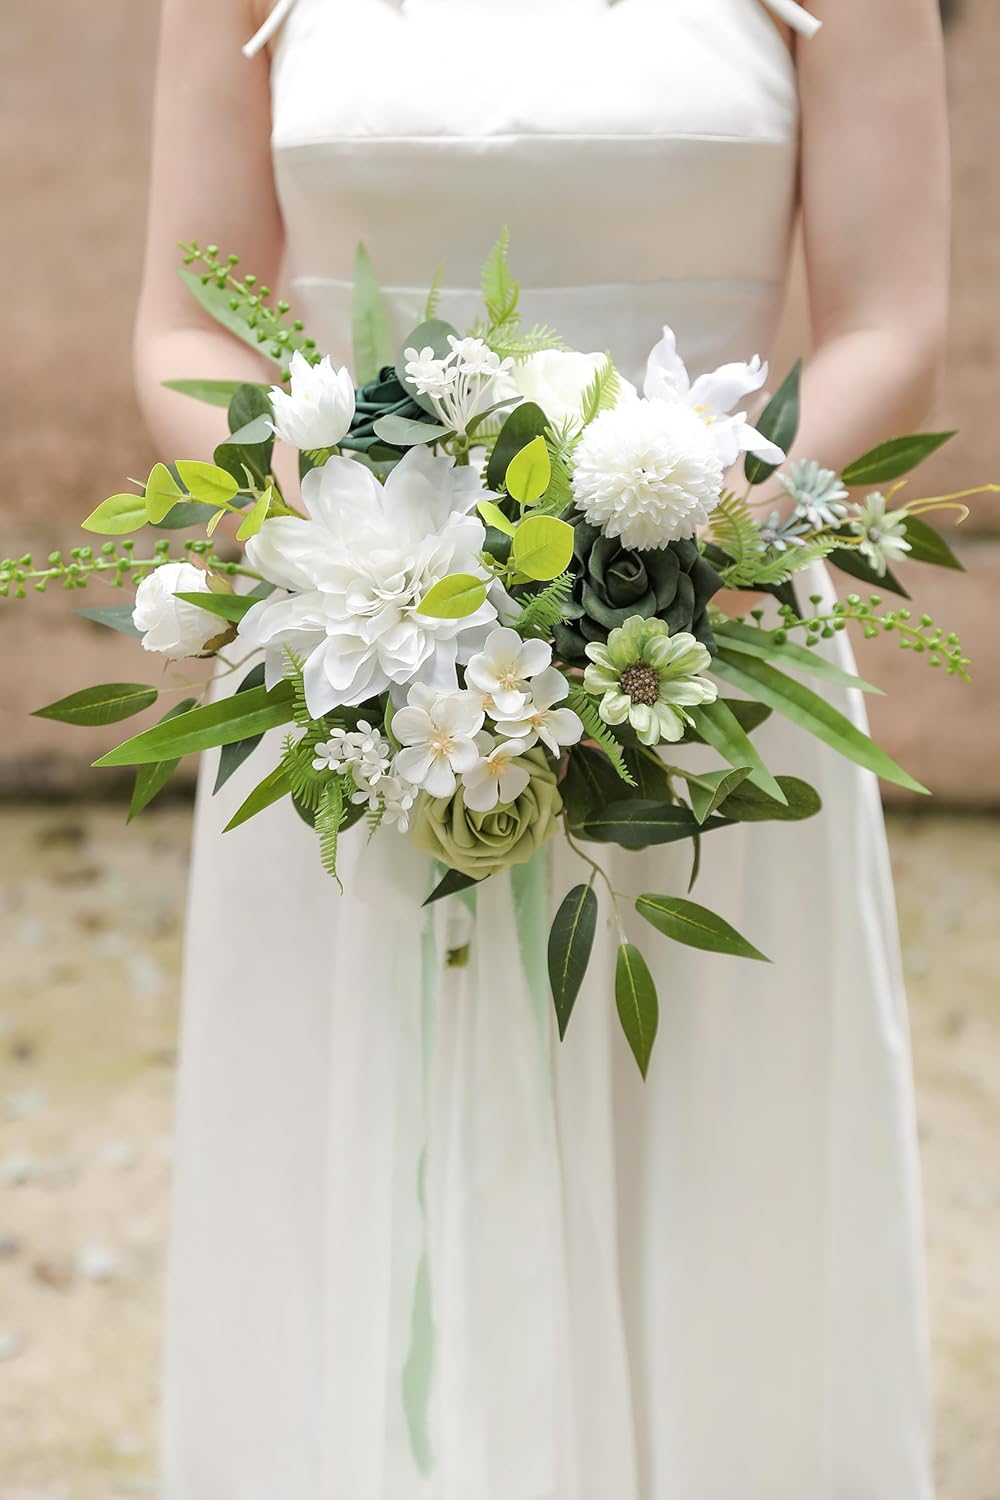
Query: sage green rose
{"x":481,"y":843}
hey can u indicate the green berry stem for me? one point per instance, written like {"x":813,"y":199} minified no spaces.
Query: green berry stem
{"x":114,"y":562}
{"x":249,"y":301}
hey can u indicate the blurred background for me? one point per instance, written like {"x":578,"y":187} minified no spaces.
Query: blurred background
{"x":91,"y":913}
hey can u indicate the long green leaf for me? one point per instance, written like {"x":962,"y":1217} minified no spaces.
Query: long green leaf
{"x":636,"y":824}
{"x":637,"y":1003}
{"x":571,"y":941}
{"x":687,"y":922}
{"x":893,"y":459}
{"x":719,"y":727}
{"x":220,"y":723}
{"x":215,"y":300}
{"x":227,"y":606}
{"x":450,"y":885}
{"x":212,"y":392}
{"x":779,"y":421}
{"x":114,"y":616}
{"x":812,"y":713}
{"x":369,"y":323}
{"x":709,"y":790}
{"x":928,"y":545}
{"x":274,"y":786}
{"x":107,"y":704}
{"x":232,"y":756}
{"x":750,"y":640}
{"x":150,"y":780}
{"x":850,"y":561}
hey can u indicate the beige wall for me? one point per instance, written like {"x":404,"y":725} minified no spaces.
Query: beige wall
{"x":74,"y":125}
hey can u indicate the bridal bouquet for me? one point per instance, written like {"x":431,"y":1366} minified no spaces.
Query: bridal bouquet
{"x":487,"y":616}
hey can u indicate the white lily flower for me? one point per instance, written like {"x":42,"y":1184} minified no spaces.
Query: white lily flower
{"x":438,"y":734}
{"x":495,"y":777}
{"x":712,"y":397}
{"x":502,"y":669}
{"x":539,"y":719}
{"x":319,"y":409}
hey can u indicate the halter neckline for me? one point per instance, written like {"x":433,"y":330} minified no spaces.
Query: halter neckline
{"x":789,"y":11}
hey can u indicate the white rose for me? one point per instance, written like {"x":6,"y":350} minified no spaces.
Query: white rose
{"x":319,"y":410}
{"x":557,"y":378}
{"x":169,"y":625}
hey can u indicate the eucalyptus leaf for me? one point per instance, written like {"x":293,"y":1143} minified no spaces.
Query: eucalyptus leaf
{"x":748,"y":804}
{"x":686,"y":922}
{"x":184,"y":514}
{"x":543,"y":547}
{"x":525,"y":423}
{"x":637,"y":1004}
{"x":893,"y":459}
{"x":717,"y":724}
{"x":404,"y":432}
{"x":928,"y":545}
{"x":206,"y":482}
{"x":232,"y":756}
{"x":220,"y":723}
{"x":779,"y":421}
{"x":494,"y":516}
{"x":108,"y":703}
{"x":255,"y":516}
{"x":151,"y":779}
{"x":162,"y":493}
{"x":571,"y":941}
{"x":117,"y":516}
{"x":812,"y":713}
{"x":115,"y":617}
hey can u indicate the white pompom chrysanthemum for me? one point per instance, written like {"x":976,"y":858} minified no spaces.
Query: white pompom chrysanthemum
{"x":647,"y":472}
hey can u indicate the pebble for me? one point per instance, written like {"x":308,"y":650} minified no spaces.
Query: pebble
{"x":98,"y":1263}
{"x":11,"y":1344}
{"x":18,"y":1169}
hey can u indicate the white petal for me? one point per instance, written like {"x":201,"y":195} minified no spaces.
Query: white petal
{"x":721,"y":390}
{"x":480,"y":791}
{"x":414,"y":763}
{"x":440,"y":780}
{"x":666,"y":374}
{"x":533,"y":657}
{"x":513,"y":780}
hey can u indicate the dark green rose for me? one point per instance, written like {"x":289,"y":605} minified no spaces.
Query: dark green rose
{"x":382,"y":397}
{"x":481,"y":843}
{"x":672,"y":583}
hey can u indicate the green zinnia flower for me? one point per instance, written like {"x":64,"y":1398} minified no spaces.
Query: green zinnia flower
{"x":647,"y":676}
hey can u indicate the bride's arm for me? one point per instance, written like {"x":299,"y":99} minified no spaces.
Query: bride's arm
{"x":211,"y":181}
{"x":875,"y":208}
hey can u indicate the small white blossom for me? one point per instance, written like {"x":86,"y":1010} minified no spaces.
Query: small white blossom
{"x":884,"y":541}
{"x":171,"y":626}
{"x":647,"y":472}
{"x":462,"y":384}
{"x":319,"y":409}
{"x":539,"y":719}
{"x":438,"y":733}
{"x":496,"y":777}
{"x":712,"y":398}
{"x":817,"y":492}
{"x":501,"y":671}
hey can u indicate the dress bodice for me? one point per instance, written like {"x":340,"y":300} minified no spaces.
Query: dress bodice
{"x":643,"y":155}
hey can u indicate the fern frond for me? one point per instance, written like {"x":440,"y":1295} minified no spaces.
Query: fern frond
{"x":545,"y":609}
{"x":306,"y":785}
{"x":330,"y":816}
{"x":562,"y":443}
{"x":734,"y":529}
{"x":509,"y":340}
{"x":596,"y":729}
{"x":500,"y":290}
{"x":602,"y":392}
{"x":434,"y":294}
{"x":294,"y":673}
{"x":373,"y":819}
{"x":779,"y":567}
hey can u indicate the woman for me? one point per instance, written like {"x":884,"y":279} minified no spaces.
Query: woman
{"x":418,"y":1249}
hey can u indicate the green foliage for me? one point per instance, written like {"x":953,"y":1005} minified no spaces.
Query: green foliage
{"x":230,"y":607}
{"x":107,"y":704}
{"x":115,"y":563}
{"x":778,"y":567}
{"x":525,"y":423}
{"x":544,"y":610}
{"x":451,"y":883}
{"x":115,"y":616}
{"x":773,"y":645}
{"x":717,"y":724}
{"x":220,"y":723}
{"x":637,"y":1004}
{"x":928,"y":545}
{"x":150,"y":780}
{"x":697,"y":927}
{"x":272,"y":789}
{"x":779,"y":421}
{"x":500,"y":290}
{"x":596,"y":729}
{"x":434,"y":293}
{"x":747,"y":804}
{"x":893,"y":459}
{"x":454,"y":597}
{"x":117,"y":516}
{"x":212,"y":392}
{"x":232,"y":756}
{"x":330,"y":818}
{"x":542,"y":548}
{"x":529,"y":472}
{"x":243,"y":306}
{"x":637,"y":824}
{"x":571,"y":941}
{"x":707,"y":790}
{"x":921,"y":636}
{"x":372,"y":338}
{"x":602,"y":393}
{"x":733,"y":528}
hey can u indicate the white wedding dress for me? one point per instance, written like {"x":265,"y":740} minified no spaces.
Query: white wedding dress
{"x":420,"y":1248}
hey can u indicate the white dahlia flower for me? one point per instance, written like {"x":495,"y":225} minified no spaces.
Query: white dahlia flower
{"x":318,"y":410}
{"x":350,"y":579}
{"x":171,"y":626}
{"x":647,"y":472}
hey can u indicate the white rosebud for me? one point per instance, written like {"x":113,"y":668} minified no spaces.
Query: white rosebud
{"x":319,"y":410}
{"x":170,"y":625}
{"x":557,"y":380}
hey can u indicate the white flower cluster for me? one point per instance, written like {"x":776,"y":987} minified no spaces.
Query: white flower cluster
{"x":462,"y":384}
{"x":444,"y":736}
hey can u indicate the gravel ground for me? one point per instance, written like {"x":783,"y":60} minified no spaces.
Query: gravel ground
{"x":90,"y":926}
